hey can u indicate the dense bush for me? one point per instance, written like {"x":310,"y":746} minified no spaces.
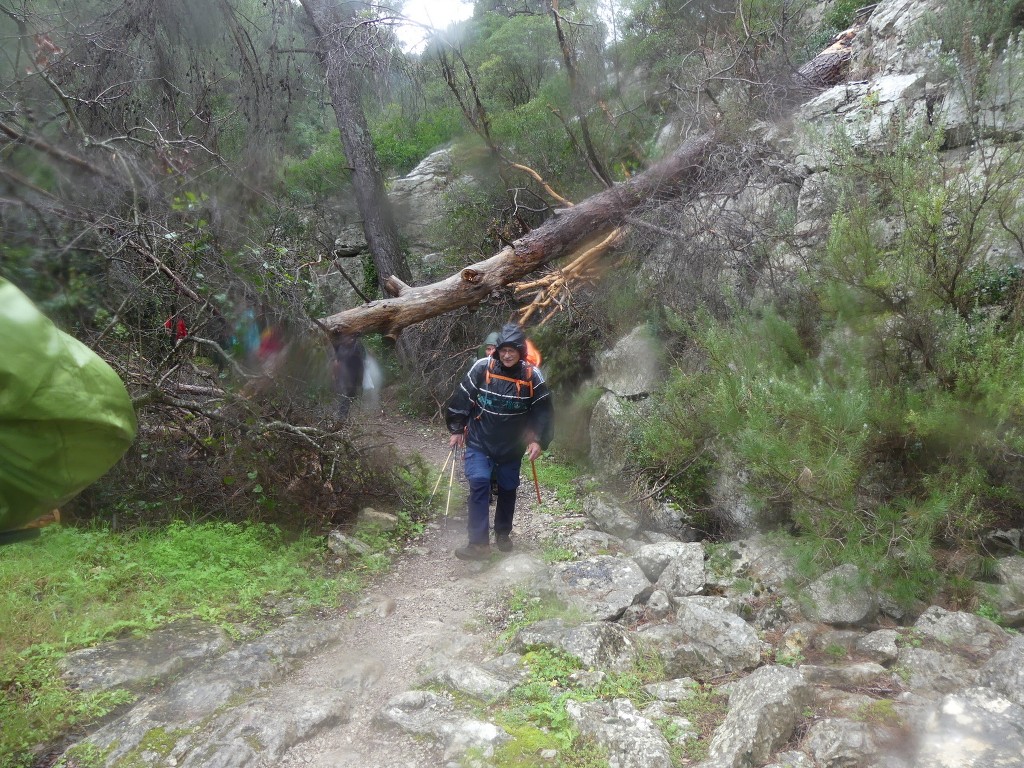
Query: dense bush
{"x":882,"y":411}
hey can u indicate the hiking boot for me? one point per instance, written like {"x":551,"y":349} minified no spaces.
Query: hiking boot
{"x":473,"y":552}
{"x":504,"y":542}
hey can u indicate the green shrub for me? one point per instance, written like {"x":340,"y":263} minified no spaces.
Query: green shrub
{"x":401,"y":140}
{"x":877,"y":420}
{"x":971,"y":26}
{"x":317,"y":176}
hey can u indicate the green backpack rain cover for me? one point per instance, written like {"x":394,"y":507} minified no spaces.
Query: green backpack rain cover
{"x":65,"y":416}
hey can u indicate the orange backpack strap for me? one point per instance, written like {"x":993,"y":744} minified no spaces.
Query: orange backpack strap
{"x":520,"y":383}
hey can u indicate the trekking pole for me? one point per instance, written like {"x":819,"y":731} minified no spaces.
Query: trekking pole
{"x":443,"y":468}
{"x":451,"y":482}
{"x":536,"y":482}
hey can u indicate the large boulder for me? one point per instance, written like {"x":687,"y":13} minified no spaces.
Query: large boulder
{"x":976,"y":728}
{"x":732,"y":506}
{"x":1004,"y":672}
{"x":653,"y":558}
{"x":139,"y":662}
{"x":610,"y":515}
{"x":602,"y":586}
{"x":840,"y":597}
{"x":632,"y":740}
{"x":704,"y":643}
{"x":611,"y":424}
{"x":684,"y":574}
{"x":764,"y":708}
{"x":417,"y":198}
{"x":633,"y":366}
{"x":599,"y":645}
{"x":959,"y":631}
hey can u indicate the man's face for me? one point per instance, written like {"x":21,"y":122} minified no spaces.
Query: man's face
{"x":490,"y":349}
{"x":508,"y":356}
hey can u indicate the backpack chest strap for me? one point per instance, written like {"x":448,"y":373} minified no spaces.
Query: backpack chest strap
{"x":520,"y":383}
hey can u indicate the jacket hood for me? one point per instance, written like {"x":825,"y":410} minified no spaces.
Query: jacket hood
{"x":511,"y":335}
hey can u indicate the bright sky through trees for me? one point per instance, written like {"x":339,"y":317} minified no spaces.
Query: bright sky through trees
{"x":434,"y":13}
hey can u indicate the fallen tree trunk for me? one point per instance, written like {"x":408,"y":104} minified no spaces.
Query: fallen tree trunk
{"x":563,"y":234}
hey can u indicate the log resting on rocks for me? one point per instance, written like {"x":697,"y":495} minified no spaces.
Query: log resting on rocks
{"x":560,"y":236}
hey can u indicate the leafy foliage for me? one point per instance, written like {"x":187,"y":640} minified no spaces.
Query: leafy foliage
{"x":401,"y":141}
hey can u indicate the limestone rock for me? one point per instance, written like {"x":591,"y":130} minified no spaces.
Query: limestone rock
{"x":633,"y":366}
{"x":839,"y":597}
{"x":598,"y":645}
{"x":138,"y":662}
{"x":602,"y":586}
{"x":976,"y":728}
{"x":652,"y":558}
{"x":704,"y":643}
{"x":611,"y":516}
{"x":1004,"y":672}
{"x":683,"y":576}
{"x":764,"y":708}
{"x":371,"y":518}
{"x":837,"y":742}
{"x":930,"y":671}
{"x":631,"y":739}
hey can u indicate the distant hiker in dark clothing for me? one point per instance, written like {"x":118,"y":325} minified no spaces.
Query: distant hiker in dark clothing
{"x":489,"y":342}
{"x":500,"y":411}
{"x":348,"y":368}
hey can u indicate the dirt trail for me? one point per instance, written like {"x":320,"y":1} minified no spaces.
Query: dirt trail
{"x":431,"y":607}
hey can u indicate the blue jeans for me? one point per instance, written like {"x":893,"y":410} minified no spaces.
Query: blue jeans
{"x":479,"y":469}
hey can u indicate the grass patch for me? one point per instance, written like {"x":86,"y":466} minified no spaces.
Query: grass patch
{"x":536,"y":715}
{"x":706,"y":710}
{"x":881,"y":712}
{"x":563,"y":479}
{"x":72,"y":588}
{"x":553,"y":552}
{"x":524,"y":609}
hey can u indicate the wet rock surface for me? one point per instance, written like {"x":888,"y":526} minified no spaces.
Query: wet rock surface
{"x":389,"y":681}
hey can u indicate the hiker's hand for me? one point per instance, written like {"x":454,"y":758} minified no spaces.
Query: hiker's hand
{"x":458,"y":440}
{"x":533,"y":450}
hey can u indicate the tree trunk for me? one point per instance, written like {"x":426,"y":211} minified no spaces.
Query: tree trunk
{"x":330,"y":27}
{"x":566,"y":233}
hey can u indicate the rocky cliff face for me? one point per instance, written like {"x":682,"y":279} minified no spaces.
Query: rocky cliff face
{"x":893,"y":79}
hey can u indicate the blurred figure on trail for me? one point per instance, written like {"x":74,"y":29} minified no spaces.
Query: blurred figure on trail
{"x":248,"y":333}
{"x":348,"y":369}
{"x":175,"y":326}
{"x":271,"y":351}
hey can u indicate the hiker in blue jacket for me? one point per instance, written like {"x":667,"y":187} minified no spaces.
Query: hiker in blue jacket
{"x":500,"y":411}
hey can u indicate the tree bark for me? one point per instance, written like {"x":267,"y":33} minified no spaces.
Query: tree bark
{"x":561,"y":235}
{"x":330,"y":23}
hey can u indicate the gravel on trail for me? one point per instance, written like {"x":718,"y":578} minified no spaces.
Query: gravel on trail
{"x":428,"y":609}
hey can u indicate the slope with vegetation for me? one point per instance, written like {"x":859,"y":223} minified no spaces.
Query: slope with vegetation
{"x":166,"y":158}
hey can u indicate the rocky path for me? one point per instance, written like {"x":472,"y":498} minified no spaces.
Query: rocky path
{"x":430,"y":609}
{"x":307,"y":693}
{"x":821,"y":675}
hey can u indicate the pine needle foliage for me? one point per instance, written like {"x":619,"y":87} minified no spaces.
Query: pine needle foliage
{"x":881,"y":410}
